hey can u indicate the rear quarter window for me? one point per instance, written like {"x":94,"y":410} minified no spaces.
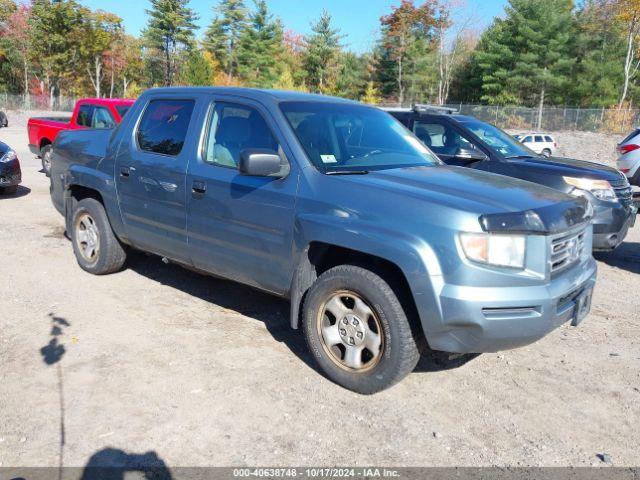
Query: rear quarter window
{"x":164,"y":125}
{"x":85,"y":115}
{"x":548,"y":139}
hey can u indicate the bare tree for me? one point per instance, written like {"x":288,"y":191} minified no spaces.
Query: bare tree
{"x":455,"y":40}
{"x":629,"y":14}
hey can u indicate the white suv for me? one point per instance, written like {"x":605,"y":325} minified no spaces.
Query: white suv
{"x":541,"y":143}
{"x":629,"y":159}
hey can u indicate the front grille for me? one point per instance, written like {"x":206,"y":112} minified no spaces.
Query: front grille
{"x":567,"y":250}
{"x":623,"y":191}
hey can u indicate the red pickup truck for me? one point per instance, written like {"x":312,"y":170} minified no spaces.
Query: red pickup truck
{"x":88,"y":113}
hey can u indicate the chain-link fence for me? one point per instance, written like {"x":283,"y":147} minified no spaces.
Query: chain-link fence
{"x":36,"y":102}
{"x":605,"y":120}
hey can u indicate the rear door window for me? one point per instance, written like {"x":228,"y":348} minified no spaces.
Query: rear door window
{"x":539,"y":139}
{"x":102,"y":118}
{"x":164,"y":125}
{"x":85,"y":116}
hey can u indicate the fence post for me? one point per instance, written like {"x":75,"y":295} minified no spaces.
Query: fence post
{"x":577,"y":116}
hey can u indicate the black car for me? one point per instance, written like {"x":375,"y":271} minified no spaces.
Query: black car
{"x":10,"y":173}
{"x":468,"y":142}
{"x":4,"y":121}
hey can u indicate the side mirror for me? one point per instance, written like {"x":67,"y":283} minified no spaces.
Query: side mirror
{"x":470,"y":155}
{"x":257,"y":162}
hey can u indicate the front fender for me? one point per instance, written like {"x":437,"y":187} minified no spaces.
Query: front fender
{"x":412,"y":255}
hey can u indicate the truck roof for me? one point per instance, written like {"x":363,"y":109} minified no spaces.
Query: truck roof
{"x":255,"y":93}
{"x":108,"y":101}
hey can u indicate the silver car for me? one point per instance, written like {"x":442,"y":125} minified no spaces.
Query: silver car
{"x":629,"y":159}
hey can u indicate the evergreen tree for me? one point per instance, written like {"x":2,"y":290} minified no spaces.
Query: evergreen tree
{"x":351,"y":78}
{"x":197,"y":70}
{"x":170,"y":31}
{"x":598,"y":49}
{"x":260,"y":48}
{"x":320,"y":59}
{"x":223,"y":34}
{"x":526,"y":58}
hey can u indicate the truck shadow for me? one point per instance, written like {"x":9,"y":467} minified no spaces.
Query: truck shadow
{"x":268,"y":309}
{"x":625,"y":257}
{"x":434,"y":361}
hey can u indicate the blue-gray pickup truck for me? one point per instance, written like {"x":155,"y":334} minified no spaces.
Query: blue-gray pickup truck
{"x":381,"y":248}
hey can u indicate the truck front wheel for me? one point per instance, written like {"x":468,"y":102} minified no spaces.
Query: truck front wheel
{"x":357,"y":330}
{"x":95,"y":246}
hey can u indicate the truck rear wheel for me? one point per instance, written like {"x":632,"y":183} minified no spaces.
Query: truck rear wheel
{"x":95,"y":246}
{"x":45,"y":155}
{"x":357,"y":330}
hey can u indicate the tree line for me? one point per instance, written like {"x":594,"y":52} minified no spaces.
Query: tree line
{"x":541,"y":52}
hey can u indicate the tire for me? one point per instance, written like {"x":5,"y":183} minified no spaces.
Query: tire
{"x":95,"y":246}
{"x":546,"y":153}
{"x":356,"y":293}
{"x":45,"y":155}
{"x":8,"y":190}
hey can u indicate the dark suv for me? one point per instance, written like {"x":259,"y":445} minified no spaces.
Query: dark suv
{"x":468,"y":142}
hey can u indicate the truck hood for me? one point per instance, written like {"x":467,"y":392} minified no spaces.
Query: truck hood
{"x":569,"y":167}
{"x":501,"y":203}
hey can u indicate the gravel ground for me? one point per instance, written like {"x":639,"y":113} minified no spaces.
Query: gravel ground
{"x":158,"y":364}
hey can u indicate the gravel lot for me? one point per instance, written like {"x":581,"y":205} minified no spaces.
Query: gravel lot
{"x":162,"y":365}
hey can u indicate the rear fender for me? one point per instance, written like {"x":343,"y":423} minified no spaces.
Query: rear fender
{"x":102,"y":183}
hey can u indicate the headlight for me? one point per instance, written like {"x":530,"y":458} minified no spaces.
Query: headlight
{"x":601,"y":189}
{"x":8,"y":157}
{"x":494,"y":249}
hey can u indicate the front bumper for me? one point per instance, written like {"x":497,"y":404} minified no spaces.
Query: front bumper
{"x":10,"y":174}
{"x":611,"y":225}
{"x":478,"y":319}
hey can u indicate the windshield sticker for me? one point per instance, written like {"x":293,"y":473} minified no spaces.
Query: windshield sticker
{"x":328,"y":159}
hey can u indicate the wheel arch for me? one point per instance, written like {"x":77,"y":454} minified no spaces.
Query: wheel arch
{"x":83,"y":182}
{"x":44,"y":142}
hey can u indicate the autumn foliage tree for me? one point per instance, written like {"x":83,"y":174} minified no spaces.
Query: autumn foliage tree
{"x":408,"y":26}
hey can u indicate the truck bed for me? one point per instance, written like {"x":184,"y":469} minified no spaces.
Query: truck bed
{"x":40,"y":120}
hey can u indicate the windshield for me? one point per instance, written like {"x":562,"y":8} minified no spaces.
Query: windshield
{"x":501,"y":141}
{"x":343,"y":137}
